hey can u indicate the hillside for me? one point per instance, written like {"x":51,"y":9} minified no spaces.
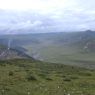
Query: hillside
{"x":9,"y":53}
{"x":31,"y":77}
{"x":72,"y":48}
{"x":22,"y":74}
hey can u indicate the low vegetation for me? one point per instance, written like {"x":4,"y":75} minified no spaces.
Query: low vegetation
{"x":31,"y":77}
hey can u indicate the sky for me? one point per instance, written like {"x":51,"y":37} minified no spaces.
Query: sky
{"x":24,"y":16}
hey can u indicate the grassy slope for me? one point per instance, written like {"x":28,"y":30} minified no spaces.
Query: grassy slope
{"x":64,"y":47}
{"x":30,"y":77}
{"x":64,"y":54}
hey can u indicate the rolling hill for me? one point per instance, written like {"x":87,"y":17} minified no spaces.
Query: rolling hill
{"x":21,"y":72}
{"x":72,"y":48}
{"x":32,"y":77}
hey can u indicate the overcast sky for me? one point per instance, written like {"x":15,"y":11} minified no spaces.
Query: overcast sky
{"x":46,"y":15}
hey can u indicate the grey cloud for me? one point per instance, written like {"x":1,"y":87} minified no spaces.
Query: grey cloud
{"x":80,"y":18}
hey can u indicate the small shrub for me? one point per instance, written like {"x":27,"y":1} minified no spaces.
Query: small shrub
{"x":64,"y":76}
{"x":11,"y":73}
{"x":49,"y":79}
{"x":42,"y":75}
{"x":31,"y":78}
{"x":86,"y":74}
{"x":74,"y":77}
{"x":2,"y":65}
{"x":67,"y":79}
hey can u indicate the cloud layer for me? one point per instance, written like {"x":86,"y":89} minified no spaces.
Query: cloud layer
{"x":48,"y":16}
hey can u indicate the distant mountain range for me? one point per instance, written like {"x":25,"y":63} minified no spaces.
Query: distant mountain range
{"x":60,"y":47}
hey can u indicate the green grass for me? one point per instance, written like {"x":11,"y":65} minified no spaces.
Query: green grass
{"x":63,"y":54}
{"x":30,"y":77}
